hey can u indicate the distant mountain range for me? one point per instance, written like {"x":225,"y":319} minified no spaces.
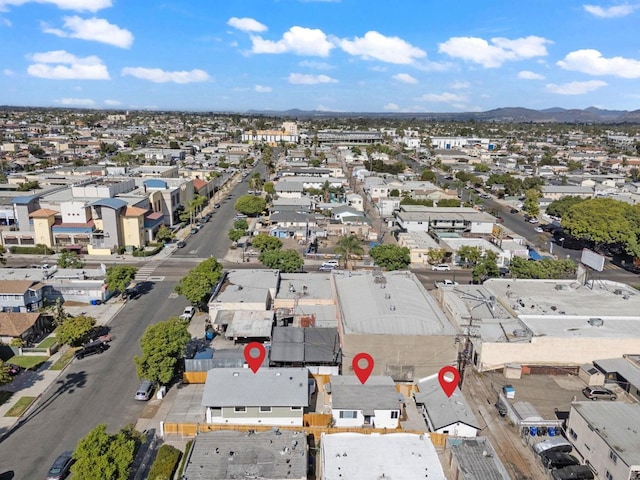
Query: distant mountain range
{"x":501,"y":115}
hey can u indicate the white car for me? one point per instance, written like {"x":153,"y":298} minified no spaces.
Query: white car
{"x":330,"y":264}
{"x":188,"y":313}
{"x":539,"y":230}
{"x":443,"y":267}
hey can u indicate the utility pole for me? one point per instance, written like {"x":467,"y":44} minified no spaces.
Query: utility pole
{"x":464,"y":348}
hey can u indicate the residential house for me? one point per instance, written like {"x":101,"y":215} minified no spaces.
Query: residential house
{"x":21,"y":295}
{"x":26,"y":326}
{"x":474,"y":459}
{"x":375,"y":404}
{"x":270,"y":396}
{"x":450,"y":415}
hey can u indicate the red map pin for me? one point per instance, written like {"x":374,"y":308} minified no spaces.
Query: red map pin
{"x":448,"y":377}
{"x":362,"y":372}
{"x":254,"y":354}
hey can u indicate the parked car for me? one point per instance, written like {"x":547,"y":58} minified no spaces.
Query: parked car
{"x":539,"y":230}
{"x":188,"y":313}
{"x":553,"y":460}
{"x":91,"y":348}
{"x":552,"y":444}
{"x":326,"y":268}
{"x":514,"y":210}
{"x":599,"y":393}
{"x":12,"y":369}
{"x":239,"y":216}
{"x":443,"y":267}
{"x":502,"y":409}
{"x":573,"y":472}
{"x":181,"y":244}
{"x":61,"y":466}
{"x":330,"y":264}
{"x":145,"y":390}
{"x":533,"y":220}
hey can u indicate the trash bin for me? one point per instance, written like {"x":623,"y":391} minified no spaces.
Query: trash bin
{"x":94,"y":302}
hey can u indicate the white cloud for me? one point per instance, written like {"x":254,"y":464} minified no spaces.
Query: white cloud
{"x":158,"y":75}
{"x":575,"y":88}
{"x":76,"y":5}
{"x":80,"y":102}
{"x":460,"y":85}
{"x":5,"y":22}
{"x":391,"y":107}
{"x":8,"y":72}
{"x":527,"y":75}
{"x":62,"y":65}
{"x":297,"y":40}
{"x":112,"y":103}
{"x":316,"y":65}
{"x":611,"y":12}
{"x":494,"y":54}
{"x":262,"y":89}
{"x":303,"y":79}
{"x":593,"y":63}
{"x":445,"y":97}
{"x":96,"y":29}
{"x":246,"y":24}
{"x":405,"y":78}
{"x":379,"y":47}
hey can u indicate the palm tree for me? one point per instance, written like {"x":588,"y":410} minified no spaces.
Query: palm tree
{"x":347,"y":246}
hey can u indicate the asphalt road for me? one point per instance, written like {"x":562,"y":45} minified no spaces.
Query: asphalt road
{"x":100,"y":388}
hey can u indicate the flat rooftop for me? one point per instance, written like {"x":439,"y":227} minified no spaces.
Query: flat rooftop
{"x":387,"y":303}
{"x":303,"y":287}
{"x":395,"y":456}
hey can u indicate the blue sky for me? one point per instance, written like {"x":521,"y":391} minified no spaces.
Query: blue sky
{"x":336,"y":55}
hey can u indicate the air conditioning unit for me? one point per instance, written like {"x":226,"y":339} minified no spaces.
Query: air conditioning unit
{"x":595,"y":322}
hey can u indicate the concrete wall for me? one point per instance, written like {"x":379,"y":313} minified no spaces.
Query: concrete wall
{"x":553,"y":351}
{"x":252,"y":416}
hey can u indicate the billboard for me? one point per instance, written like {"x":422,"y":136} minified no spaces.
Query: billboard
{"x":592,"y":259}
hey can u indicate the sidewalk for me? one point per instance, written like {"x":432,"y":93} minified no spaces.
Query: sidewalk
{"x":34,"y":383}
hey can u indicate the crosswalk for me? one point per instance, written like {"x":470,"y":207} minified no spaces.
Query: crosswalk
{"x":145,"y":272}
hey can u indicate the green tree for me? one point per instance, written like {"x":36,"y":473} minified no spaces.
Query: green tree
{"x":198,"y":283}
{"x":530,"y":204}
{"x":264,"y":242}
{"x":468,"y":255}
{"x":2,"y":252}
{"x":164,"y":234}
{"x":449,"y":202}
{"x":485,"y":268}
{"x":256,"y":182}
{"x":236,"y":234}
{"x":436,"y":255}
{"x":162,"y":345}
{"x":288,"y":261}
{"x":348,"y":245}
{"x":70,"y":260}
{"x":119,"y":277}
{"x":394,"y":193}
{"x":4,"y":374}
{"x":241,"y":224}
{"x":270,"y":188}
{"x":542,"y":269}
{"x":74,"y":330}
{"x":391,"y":257}
{"x":102,"y":456}
{"x":481,"y":168}
{"x":558,"y":208}
{"x":428,"y":176}
{"x":250,"y":205}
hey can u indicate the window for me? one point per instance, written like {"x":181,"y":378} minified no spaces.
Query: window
{"x":348,"y":414}
{"x":296,"y":408}
{"x":239,"y":409}
{"x":265,"y":409}
{"x":613,"y":457}
{"x":395,"y":414}
{"x":573,"y":434}
{"x":608,"y":475}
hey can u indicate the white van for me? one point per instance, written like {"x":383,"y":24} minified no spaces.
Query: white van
{"x":331,"y":264}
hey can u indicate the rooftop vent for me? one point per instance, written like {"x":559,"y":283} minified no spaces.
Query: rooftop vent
{"x":519,"y":332}
{"x":595,"y":322}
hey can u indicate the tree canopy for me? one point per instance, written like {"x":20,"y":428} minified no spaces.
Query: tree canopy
{"x":198,"y":283}
{"x":391,"y":257}
{"x":4,"y":373}
{"x":119,"y":277}
{"x":605,"y":222}
{"x":103,"y":456}
{"x":284,"y":260}
{"x":264,"y":242}
{"x":348,"y":245}
{"x":162,"y":345}
{"x":542,"y":269}
{"x":70,"y":260}
{"x":251,"y":205}
{"x":74,"y":330}
{"x":558,"y":208}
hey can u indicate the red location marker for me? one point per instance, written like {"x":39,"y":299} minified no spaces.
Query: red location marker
{"x":449,"y":378}
{"x":362,"y":372}
{"x":254,"y":354}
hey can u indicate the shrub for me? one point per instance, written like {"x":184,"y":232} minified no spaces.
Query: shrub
{"x":165,"y":463}
{"x":35,"y":250}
